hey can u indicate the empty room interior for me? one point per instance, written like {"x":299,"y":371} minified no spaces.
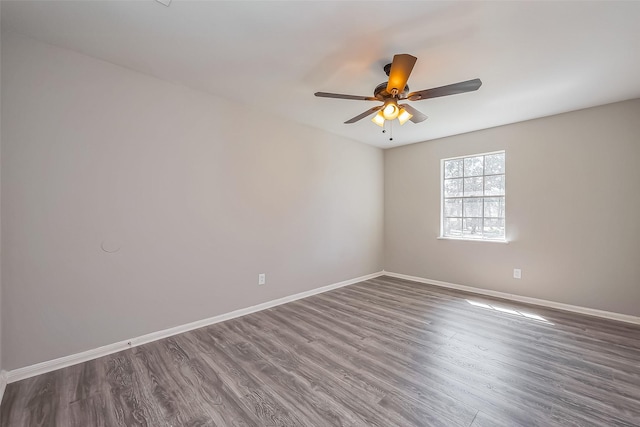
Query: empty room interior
{"x":319,"y":213}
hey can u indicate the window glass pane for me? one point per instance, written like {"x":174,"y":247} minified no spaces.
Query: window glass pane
{"x":494,"y":164}
{"x":494,"y":207}
{"x":453,"y":227}
{"x":453,"y":187}
{"x":473,"y":166}
{"x":473,"y":186}
{"x":453,"y":168}
{"x":472,"y":227}
{"x":493,"y":185}
{"x":473,"y":204}
{"x":494,"y":228}
{"x":453,"y":207}
{"x":473,"y":208}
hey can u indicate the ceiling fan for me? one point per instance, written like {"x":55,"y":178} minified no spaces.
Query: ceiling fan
{"x":396,"y":89}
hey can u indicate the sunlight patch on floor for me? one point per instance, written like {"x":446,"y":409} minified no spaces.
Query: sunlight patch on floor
{"x":513,"y":312}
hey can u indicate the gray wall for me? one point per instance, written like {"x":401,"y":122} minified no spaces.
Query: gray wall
{"x":199,"y":193}
{"x":573,"y":210}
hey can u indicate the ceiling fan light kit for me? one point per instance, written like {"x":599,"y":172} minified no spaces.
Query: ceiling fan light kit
{"x":378,"y":119}
{"x":390,"y":110}
{"x":404,"y":116}
{"x":396,"y":89}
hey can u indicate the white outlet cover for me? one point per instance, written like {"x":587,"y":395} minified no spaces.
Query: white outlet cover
{"x":262,"y":279}
{"x":517,"y":273}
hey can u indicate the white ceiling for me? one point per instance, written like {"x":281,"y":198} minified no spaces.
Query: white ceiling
{"x":535,"y":58}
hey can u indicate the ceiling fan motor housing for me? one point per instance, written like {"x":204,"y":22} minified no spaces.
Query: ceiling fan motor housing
{"x":381,"y":93}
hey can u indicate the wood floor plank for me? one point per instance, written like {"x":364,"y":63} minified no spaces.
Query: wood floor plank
{"x":625,"y":366}
{"x":175,"y":393}
{"x":385,"y":352}
{"x":305,"y":392}
{"x":268,"y":407}
{"x":393,"y":375}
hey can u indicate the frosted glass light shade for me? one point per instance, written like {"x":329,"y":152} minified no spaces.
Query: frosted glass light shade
{"x":404,"y":116}
{"x":378,"y":119}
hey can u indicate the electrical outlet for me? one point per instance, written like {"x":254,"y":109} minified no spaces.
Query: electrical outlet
{"x":262,"y":279}
{"x":517,"y":273}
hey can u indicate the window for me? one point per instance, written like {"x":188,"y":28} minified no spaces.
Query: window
{"x":473,"y":191}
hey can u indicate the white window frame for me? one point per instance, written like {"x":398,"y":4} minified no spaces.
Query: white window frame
{"x":481,"y":238}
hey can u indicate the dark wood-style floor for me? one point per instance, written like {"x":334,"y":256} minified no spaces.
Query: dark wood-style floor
{"x":385,"y":352}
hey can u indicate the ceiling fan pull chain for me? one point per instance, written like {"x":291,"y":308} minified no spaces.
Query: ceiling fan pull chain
{"x":390,"y":130}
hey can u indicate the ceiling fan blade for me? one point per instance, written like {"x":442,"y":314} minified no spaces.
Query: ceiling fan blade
{"x":462,"y":87}
{"x":341,"y":96}
{"x":417,"y":115}
{"x":400,"y":70}
{"x":369,"y":112}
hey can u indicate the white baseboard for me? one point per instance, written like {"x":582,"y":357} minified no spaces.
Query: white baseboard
{"x":3,"y":383}
{"x":73,"y":359}
{"x":528,"y":300}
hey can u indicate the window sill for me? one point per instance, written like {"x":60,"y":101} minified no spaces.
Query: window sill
{"x":503,"y":241}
